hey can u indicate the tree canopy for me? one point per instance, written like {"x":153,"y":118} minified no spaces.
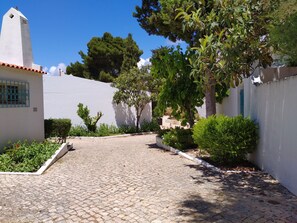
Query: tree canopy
{"x":227,"y":36}
{"x":283,"y":31}
{"x":157,"y":17}
{"x":106,"y":58}
{"x":178,"y":88}
{"x":233,"y":36}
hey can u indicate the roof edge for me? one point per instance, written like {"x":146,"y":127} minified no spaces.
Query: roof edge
{"x":2,"y":64}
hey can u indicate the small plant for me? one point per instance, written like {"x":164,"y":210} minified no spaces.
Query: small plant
{"x":152,"y":126}
{"x":78,"y":131}
{"x":26,"y":157}
{"x":84,"y":114}
{"x":102,"y":130}
{"x":128,"y":129}
{"x":179,"y":138}
{"x":227,"y":139}
{"x":57,"y":128}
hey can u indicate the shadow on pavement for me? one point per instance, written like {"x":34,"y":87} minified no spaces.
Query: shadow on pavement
{"x":239,"y":197}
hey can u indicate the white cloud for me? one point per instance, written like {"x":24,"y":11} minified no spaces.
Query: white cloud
{"x":45,"y":69}
{"x":170,"y":43}
{"x":56,"y":70}
{"x":143,"y":62}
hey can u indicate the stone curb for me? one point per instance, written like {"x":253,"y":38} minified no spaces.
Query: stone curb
{"x":110,"y":137}
{"x":159,"y":142}
{"x":57,"y":155}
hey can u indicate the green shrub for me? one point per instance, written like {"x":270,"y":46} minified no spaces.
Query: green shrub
{"x":26,"y":157}
{"x":78,"y":131}
{"x":102,"y":130}
{"x":152,"y":126}
{"x":162,"y":132}
{"x":127,"y":129}
{"x":57,"y":128}
{"x":84,"y":114}
{"x":106,"y":130}
{"x":179,"y":138}
{"x":227,"y":139}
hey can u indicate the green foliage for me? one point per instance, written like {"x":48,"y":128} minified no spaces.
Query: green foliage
{"x":157,"y":17}
{"x":26,"y":157}
{"x":135,"y":88}
{"x":57,"y":128}
{"x":179,"y":138}
{"x":232,"y":36}
{"x":105,"y":77}
{"x":178,"y":89}
{"x":284,"y":30}
{"x":227,"y":36}
{"x":152,"y":126}
{"x":162,"y":132}
{"x":102,"y":130}
{"x":77,"y":69}
{"x":131,"y":54}
{"x":79,"y":131}
{"x":128,"y":129}
{"x":106,"y":58}
{"x":84,"y":114}
{"x":227,"y":139}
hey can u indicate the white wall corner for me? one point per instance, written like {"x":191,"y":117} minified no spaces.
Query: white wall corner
{"x":15,"y":41}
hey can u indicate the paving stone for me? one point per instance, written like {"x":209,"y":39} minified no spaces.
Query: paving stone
{"x":131,"y":180}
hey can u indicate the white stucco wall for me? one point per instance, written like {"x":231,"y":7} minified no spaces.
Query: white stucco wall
{"x":231,"y":104}
{"x":273,"y":105}
{"x":23,"y":123}
{"x":202,"y":110}
{"x":63,"y":93}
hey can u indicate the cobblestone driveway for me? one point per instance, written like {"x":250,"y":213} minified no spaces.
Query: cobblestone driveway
{"x":130,"y":180}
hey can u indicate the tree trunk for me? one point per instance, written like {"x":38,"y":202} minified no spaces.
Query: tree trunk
{"x":210,"y":96}
{"x":191,"y":118}
{"x":137,"y":122}
{"x":138,"y":114}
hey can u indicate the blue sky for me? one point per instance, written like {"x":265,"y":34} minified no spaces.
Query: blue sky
{"x":61,"y":28}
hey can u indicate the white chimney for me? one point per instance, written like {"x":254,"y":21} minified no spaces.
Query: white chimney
{"x":15,"y":41}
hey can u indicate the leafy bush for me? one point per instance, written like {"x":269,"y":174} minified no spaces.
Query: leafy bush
{"x":57,"y":128}
{"x":102,"y":130}
{"x":179,"y":138}
{"x":84,"y":114}
{"x":106,"y":130}
{"x":227,"y":139}
{"x":26,"y":157}
{"x":162,"y":132}
{"x":79,"y":131}
{"x":127,"y":129}
{"x":152,"y":126}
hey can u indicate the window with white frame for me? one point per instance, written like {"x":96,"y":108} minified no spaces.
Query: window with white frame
{"x":14,"y":94}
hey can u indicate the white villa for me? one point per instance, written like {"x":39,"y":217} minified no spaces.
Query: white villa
{"x":21,"y":86}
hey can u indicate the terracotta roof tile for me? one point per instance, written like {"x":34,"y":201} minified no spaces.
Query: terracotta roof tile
{"x":21,"y":67}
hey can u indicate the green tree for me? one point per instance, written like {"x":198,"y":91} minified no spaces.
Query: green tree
{"x":136,"y":89}
{"x":84,"y":113}
{"x":131,"y":54}
{"x":228,"y":37}
{"x":77,"y":69}
{"x":178,"y":89}
{"x":157,"y":17}
{"x":233,"y":36}
{"x":105,"y":58}
{"x":283,"y":31}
